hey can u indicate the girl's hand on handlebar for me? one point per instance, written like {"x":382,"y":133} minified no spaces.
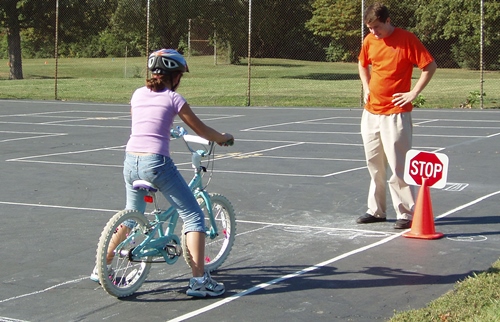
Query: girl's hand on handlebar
{"x":228,"y":140}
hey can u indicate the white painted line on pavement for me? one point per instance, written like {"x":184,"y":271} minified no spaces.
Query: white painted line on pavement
{"x":314,"y":267}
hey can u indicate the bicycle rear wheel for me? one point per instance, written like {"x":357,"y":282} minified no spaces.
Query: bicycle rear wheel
{"x":217,"y":248}
{"x":122,"y":277}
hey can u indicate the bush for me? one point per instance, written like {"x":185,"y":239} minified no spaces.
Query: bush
{"x":336,"y":53}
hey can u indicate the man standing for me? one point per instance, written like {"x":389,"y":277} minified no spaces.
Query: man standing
{"x":386,"y":63}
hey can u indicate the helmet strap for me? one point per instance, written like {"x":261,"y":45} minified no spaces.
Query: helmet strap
{"x":174,"y":86}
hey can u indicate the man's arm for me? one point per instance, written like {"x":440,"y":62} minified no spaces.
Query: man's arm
{"x":364,"y":74}
{"x":401,"y":99}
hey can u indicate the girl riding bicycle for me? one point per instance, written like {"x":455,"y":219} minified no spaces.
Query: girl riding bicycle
{"x":153,"y":109}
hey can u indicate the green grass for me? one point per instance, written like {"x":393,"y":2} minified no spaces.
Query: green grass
{"x":475,"y":299}
{"x":275,"y":82}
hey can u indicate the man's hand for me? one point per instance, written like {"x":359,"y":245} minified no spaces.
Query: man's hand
{"x":401,"y":99}
{"x":365,"y":96}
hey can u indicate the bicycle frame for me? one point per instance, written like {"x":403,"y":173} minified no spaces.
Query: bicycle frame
{"x":162,"y":244}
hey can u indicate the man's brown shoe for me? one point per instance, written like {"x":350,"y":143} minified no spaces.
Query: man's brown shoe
{"x":368,"y":219}
{"x":402,"y":224}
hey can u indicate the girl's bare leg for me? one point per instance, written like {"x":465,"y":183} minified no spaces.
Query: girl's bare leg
{"x":119,"y":236}
{"x":196,"y":245}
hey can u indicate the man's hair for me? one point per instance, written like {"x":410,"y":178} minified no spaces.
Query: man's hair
{"x":376,"y":11}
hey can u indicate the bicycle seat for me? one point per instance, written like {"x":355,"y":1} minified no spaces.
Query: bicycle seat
{"x":143,"y":184}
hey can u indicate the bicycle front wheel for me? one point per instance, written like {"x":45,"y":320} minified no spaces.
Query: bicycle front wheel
{"x":122,"y":277}
{"x":217,"y":248}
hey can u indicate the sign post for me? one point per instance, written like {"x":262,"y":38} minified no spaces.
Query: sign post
{"x":427,"y":170}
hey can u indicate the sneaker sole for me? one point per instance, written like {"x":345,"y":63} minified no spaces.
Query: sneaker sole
{"x":371,"y":221}
{"x":203,"y":293}
{"x":94,"y":278}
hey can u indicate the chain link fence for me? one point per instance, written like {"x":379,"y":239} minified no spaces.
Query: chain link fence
{"x":313,"y":44}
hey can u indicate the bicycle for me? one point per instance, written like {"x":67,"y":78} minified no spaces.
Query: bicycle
{"x":148,"y":242}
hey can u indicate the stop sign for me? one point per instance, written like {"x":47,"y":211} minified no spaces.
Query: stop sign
{"x":421,"y":164}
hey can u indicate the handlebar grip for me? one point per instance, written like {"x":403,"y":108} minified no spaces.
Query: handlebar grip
{"x":228,"y":143}
{"x":178,"y":132}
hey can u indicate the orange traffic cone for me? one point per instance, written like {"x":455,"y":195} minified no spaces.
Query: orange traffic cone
{"x":423,"y":219}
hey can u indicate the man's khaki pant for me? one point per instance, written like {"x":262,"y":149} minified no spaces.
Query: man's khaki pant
{"x":386,"y":139}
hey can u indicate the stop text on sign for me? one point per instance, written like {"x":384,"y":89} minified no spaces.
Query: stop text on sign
{"x":431,"y":166}
{"x":425,"y":169}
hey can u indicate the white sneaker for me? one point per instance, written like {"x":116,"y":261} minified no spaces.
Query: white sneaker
{"x":95,"y":276}
{"x":208,"y":287}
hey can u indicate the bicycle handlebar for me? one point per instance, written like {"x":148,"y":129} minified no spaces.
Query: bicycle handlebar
{"x":179,"y":132}
{"x":195,"y":139}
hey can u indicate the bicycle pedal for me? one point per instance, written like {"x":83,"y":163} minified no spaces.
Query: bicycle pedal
{"x":173,"y":249}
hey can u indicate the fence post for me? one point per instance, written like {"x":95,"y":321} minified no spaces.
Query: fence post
{"x":361,"y":99}
{"x":215,"y":47}
{"x":249,"y":48}
{"x":56,"y":52}
{"x":189,"y":38}
{"x":481,"y":63}
{"x":147,"y":38}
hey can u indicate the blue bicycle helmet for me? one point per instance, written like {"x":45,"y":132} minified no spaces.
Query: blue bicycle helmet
{"x":166,"y":61}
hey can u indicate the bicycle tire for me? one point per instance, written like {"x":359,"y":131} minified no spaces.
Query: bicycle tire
{"x":124,"y":277}
{"x":217,"y":249}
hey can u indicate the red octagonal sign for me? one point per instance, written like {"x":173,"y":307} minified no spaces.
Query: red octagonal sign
{"x":421,"y":164}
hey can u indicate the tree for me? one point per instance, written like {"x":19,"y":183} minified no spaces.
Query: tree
{"x":80,"y":21}
{"x":168,"y":25}
{"x":126,"y":30}
{"x":457,"y":24}
{"x":9,"y":13}
{"x":18,"y":16}
{"x":279,"y":30}
{"x":340,"y":21}
{"x":170,"y":20}
{"x":229,"y":19}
